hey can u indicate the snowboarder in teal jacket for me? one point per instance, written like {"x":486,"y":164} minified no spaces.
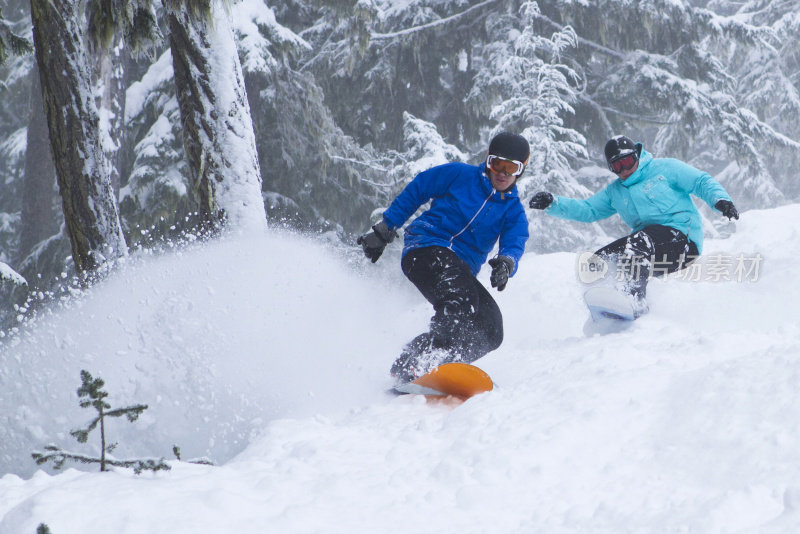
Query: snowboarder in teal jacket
{"x":653,"y":197}
{"x":473,"y":208}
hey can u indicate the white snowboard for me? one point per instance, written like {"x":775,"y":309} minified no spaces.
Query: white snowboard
{"x":606,"y":303}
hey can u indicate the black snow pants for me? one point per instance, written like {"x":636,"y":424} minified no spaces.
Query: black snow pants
{"x":655,"y":250}
{"x":467,"y":322}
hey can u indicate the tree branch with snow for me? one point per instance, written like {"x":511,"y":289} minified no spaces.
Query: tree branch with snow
{"x":10,"y":275}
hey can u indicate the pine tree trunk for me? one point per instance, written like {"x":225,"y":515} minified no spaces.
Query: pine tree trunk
{"x":82,"y":169}
{"x":38,"y":221}
{"x":215,"y":114}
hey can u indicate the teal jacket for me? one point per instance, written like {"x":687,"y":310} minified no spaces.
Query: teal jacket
{"x":657,"y":193}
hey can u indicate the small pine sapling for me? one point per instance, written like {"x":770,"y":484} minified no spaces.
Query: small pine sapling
{"x":92,"y":395}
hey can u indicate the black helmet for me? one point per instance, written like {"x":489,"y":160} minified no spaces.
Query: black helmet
{"x":510,"y":146}
{"x":622,"y":154}
{"x":619,"y":146}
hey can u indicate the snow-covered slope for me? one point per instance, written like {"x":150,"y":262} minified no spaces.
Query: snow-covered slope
{"x":270,"y":355}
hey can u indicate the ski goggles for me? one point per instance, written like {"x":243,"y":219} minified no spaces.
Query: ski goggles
{"x":623,"y":163}
{"x":509,"y":167}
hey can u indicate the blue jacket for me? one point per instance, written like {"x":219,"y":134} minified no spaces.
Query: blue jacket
{"x":467,"y":215}
{"x":657,"y":193}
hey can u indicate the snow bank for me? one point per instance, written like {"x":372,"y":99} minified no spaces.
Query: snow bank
{"x":217,"y":340}
{"x":686,"y":422}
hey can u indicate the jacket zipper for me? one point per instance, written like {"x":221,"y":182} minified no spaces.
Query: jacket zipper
{"x":472,"y":219}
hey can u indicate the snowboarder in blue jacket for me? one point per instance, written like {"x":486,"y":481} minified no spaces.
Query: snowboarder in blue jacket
{"x":652,"y":195}
{"x":472,"y":207}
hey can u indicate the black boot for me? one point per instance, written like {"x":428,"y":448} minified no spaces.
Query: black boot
{"x":419,"y":356}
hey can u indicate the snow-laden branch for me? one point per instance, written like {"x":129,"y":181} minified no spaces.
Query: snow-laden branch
{"x":429,"y":25}
{"x":59,"y":456}
{"x":581,"y":40}
{"x":9,"y":274}
{"x":436,"y":23}
{"x":638,"y":117}
{"x":357,"y":162}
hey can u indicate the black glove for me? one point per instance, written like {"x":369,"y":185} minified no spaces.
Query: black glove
{"x":502,"y":267}
{"x":541,"y":200}
{"x":728,"y":209}
{"x":374,"y":242}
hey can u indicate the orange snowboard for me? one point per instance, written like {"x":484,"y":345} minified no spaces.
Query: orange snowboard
{"x":457,"y":379}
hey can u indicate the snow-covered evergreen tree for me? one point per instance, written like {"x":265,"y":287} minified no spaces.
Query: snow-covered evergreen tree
{"x":156,"y":198}
{"x":312,"y":169}
{"x":333,"y":88}
{"x":215,"y":114}
{"x":424,"y":148}
{"x":526,"y":88}
{"x":89,"y":205}
{"x":415,"y":57}
{"x":768,"y":84}
{"x":10,"y":42}
{"x":651,"y":72}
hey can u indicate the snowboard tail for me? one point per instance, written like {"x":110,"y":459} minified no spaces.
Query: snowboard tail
{"x":456,"y":379}
{"x":605,"y":303}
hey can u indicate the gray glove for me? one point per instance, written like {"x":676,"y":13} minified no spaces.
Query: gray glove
{"x":502,"y":267}
{"x":375,"y":241}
